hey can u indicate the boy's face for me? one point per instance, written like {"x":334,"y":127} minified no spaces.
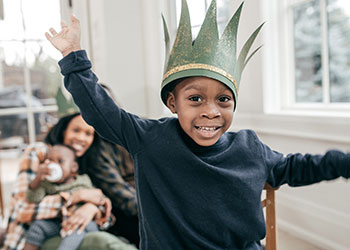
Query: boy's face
{"x":204,"y":107}
{"x":65,"y":157}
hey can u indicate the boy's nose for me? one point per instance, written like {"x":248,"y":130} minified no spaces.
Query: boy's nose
{"x":211,"y":111}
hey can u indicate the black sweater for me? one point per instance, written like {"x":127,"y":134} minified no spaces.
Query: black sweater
{"x":194,"y":197}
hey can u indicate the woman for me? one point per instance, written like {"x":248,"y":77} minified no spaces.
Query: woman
{"x":73,"y":131}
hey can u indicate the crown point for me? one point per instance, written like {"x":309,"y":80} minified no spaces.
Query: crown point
{"x":208,"y":55}
{"x":208,"y":35}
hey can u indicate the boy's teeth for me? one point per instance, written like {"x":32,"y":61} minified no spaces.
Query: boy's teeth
{"x":207,"y":128}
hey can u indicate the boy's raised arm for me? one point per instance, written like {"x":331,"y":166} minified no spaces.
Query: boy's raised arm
{"x":96,"y":106}
{"x":68,"y":39}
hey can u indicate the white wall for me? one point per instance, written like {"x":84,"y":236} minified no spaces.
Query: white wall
{"x":127,"y":50}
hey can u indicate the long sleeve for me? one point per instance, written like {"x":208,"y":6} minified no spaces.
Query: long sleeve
{"x":21,"y":211}
{"x":109,"y":174}
{"x":36,"y":195}
{"x":301,"y":170}
{"x":97,"y":108}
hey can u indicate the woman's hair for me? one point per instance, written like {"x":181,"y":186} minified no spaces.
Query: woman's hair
{"x":56,"y":136}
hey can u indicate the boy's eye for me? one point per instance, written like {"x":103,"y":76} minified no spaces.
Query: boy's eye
{"x":224,"y":98}
{"x":60,"y":161}
{"x":195,"y":98}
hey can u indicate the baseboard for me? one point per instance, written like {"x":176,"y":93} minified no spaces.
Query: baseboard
{"x":318,"y":225}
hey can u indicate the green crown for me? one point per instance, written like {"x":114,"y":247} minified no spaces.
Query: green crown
{"x":209,"y":55}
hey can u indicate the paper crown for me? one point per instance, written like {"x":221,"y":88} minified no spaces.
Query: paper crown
{"x":65,"y":104}
{"x":208,"y":55}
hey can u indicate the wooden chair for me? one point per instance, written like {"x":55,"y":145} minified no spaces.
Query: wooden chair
{"x":269,"y":204}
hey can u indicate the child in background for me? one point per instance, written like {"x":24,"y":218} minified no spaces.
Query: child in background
{"x":59,"y":173}
{"x":199,"y":186}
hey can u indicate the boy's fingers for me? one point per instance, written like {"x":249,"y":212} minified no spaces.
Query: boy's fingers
{"x":48,"y":37}
{"x":53,"y":31}
{"x":74,"y":19}
{"x":63,"y":24}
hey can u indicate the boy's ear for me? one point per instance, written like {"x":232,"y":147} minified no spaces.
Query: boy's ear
{"x":171,"y":102}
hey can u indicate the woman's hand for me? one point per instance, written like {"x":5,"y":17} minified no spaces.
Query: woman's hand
{"x":68,"y":39}
{"x":107,"y":204}
{"x":80,"y":219}
{"x":94,"y":196}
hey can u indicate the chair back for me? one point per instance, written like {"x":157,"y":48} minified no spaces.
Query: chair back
{"x":269,"y":204}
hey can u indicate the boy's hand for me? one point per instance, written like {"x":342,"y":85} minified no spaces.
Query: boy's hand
{"x":42,"y":172}
{"x":68,"y":39}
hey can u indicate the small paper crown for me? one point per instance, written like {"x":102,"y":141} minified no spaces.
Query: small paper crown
{"x":66,"y":105}
{"x":209,"y":55}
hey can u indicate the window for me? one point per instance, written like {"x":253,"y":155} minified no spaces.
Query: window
{"x":312,"y":63}
{"x":29,"y":74}
{"x":321,"y":51}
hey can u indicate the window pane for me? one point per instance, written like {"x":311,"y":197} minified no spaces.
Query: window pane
{"x":12,"y":27}
{"x":45,"y":76}
{"x":36,"y":24}
{"x":339,"y":49}
{"x":307,"y":49}
{"x":223,"y":14}
{"x":11,"y":71}
{"x":197,"y":11}
{"x":14,"y":130}
{"x":43,"y":122}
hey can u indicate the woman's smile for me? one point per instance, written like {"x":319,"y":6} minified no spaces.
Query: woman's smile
{"x":79,"y":135}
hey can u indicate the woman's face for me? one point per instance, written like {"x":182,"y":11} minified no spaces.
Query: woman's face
{"x":79,"y":135}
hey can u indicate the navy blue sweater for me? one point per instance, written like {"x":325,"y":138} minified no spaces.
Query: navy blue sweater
{"x":190,"y":196}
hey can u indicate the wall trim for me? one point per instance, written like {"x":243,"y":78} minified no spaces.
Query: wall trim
{"x":313,"y":223}
{"x":316,"y":127}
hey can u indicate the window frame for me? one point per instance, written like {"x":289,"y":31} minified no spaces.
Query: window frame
{"x":279,"y":88}
{"x":29,"y":110}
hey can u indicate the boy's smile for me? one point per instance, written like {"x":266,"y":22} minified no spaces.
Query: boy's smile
{"x":204,"y":107}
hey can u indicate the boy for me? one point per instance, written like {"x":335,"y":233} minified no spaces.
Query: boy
{"x":44,"y":183}
{"x":199,"y":187}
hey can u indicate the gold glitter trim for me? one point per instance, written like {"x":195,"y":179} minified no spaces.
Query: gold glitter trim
{"x":201,"y":66}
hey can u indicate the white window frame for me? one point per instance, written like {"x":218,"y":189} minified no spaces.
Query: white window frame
{"x":30,"y":110}
{"x":278,"y":63}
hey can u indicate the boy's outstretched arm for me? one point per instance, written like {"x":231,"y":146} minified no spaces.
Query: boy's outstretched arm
{"x":68,"y":39}
{"x":96,"y":106}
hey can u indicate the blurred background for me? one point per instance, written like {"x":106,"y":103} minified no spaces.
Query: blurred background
{"x":295,"y":92}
